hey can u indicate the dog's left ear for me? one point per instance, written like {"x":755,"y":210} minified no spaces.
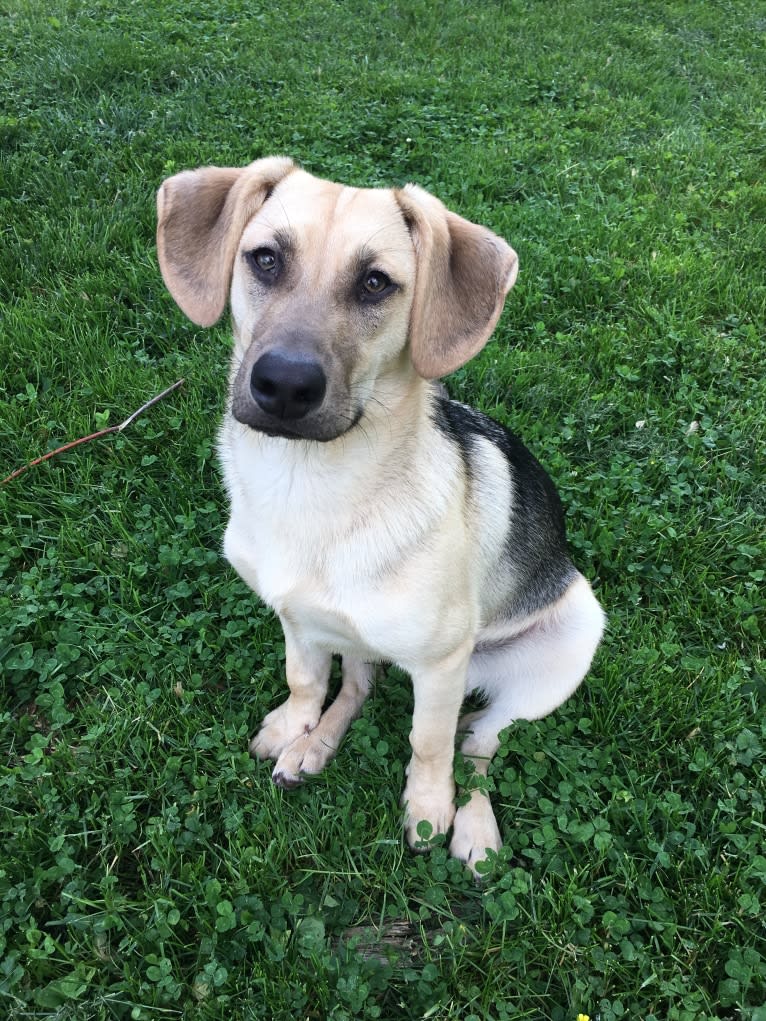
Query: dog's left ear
{"x":463,"y":274}
{"x":201,"y":215}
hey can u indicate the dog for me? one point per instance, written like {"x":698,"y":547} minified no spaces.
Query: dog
{"x":381,"y":520}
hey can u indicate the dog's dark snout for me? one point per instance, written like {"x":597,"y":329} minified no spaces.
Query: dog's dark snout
{"x":287,"y":385}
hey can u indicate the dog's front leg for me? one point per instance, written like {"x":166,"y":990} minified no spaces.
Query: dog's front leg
{"x":429,"y":795}
{"x":308,"y":673}
{"x":311,"y":752}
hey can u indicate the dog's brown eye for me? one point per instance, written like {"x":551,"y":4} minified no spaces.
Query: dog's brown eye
{"x":266,"y":264}
{"x":264,"y":259}
{"x":375,"y":282}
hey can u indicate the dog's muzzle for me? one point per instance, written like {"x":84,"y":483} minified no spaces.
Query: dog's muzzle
{"x":287,"y":385}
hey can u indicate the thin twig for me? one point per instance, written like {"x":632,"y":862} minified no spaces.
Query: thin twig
{"x":145,"y":407}
{"x":93,"y":436}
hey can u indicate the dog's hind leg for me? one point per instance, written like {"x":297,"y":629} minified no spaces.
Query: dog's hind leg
{"x":310,"y":753}
{"x":525,"y":679}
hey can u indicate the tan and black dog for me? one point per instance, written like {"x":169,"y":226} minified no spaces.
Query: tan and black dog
{"x":381,"y":520}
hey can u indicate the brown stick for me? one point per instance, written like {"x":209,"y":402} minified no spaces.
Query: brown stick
{"x":93,"y":436}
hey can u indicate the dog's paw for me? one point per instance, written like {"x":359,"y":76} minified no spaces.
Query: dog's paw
{"x":427,"y":813}
{"x":280,"y":728}
{"x":475,"y":832}
{"x":306,"y":756}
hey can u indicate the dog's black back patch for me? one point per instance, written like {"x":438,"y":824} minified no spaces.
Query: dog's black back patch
{"x":535,"y":545}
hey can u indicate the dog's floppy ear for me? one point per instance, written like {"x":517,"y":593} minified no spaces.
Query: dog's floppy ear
{"x":462,"y":276}
{"x":201,"y":215}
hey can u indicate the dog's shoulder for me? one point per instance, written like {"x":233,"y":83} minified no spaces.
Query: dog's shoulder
{"x":464,"y":425}
{"x":533,"y":556}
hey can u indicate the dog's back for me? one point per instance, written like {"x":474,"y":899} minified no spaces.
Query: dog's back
{"x":531,"y":567}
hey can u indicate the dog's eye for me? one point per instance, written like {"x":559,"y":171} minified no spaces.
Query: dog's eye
{"x":375,"y":282}
{"x":375,"y":285}
{"x":265,"y":263}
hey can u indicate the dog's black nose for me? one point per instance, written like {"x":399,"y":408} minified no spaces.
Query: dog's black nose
{"x":287,"y":385}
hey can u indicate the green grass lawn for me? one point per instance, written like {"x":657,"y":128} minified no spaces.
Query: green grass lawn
{"x":148,"y":868}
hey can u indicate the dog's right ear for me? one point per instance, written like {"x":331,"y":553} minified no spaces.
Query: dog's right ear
{"x":201,"y":215}
{"x":462,"y":276}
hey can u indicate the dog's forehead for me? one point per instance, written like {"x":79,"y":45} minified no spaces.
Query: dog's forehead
{"x":314,"y":211}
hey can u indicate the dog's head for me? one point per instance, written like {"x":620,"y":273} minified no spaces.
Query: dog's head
{"x":331,"y":288}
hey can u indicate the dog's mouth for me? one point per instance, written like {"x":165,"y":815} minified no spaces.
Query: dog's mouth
{"x":288,"y":391}
{"x":317,"y":427}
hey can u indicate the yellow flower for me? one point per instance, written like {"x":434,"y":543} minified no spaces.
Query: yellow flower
{"x":583,"y":1017}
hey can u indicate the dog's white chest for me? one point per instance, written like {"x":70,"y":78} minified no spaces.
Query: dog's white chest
{"x":282,"y":538}
{"x":298,"y":578}
{"x":358,"y":567}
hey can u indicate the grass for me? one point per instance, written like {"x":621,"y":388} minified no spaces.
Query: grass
{"x":149,"y":867}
